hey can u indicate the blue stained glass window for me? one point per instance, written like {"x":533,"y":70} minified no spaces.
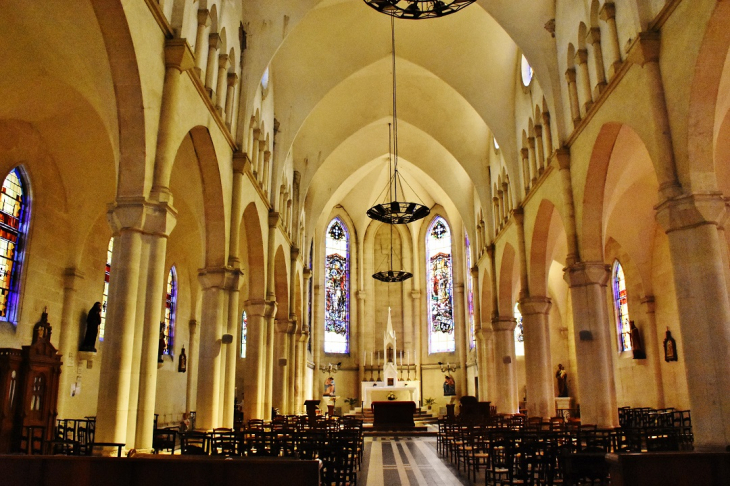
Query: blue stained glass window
{"x":620,"y":302}
{"x":170,"y":310}
{"x":519,"y":332}
{"x":470,"y":293}
{"x":337,"y":289}
{"x":440,"y":288}
{"x":244,"y":333}
{"x":105,"y":294}
{"x":13,"y":218}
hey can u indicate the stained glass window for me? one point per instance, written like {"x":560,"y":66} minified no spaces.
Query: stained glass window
{"x":170,"y":310}
{"x":620,"y":302}
{"x":519,"y":332}
{"x":337,"y":289}
{"x":440,"y":288}
{"x":13,"y":218}
{"x":470,"y":293}
{"x":244,"y":333}
{"x":105,"y":295}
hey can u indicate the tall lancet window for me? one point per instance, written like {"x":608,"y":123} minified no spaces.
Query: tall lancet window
{"x":519,"y":332}
{"x":244,"y":333}
{"x":440,"y":288}
{"x":620,"y":302}
{"x":14,"y":217}
{"x":105,"y":294}
{"x":170,"y":310}
{"x":470,"y":293}
{"x":337,"y":289}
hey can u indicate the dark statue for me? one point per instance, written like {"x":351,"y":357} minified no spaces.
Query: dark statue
{"x":162,"y":346}
{"x":93,"y":321}
{"x":636,"y":345}
{"x":562,"y":377}
{"x":449,"y":386}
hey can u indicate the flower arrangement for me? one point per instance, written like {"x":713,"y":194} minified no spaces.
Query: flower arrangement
{"x":391,"y":396}
{"x":429,"y":402}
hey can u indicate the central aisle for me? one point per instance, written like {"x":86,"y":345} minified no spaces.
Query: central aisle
{"x":405,"y":461}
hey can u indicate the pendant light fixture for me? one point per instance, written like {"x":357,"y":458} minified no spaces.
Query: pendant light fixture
{"x":394,"y":211}
{"x":418,"y":9}
{"x":390,"y":275}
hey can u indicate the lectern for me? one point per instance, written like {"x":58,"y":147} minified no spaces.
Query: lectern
{"x":311,"y":407}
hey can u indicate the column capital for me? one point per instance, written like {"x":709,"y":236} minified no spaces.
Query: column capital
{"x":204,"y":17}
{"x":294,"y":253}
{"x":519,"y":214}
{"x":525,"y":153}
{"x":474,"y":271}
{"x":538,"y":130}
{"x":273,"y":219}
{"x":459,"y":287}
{"x":581,"y":56}
{"x":222,"y":60}
{"x":535,"y":305}
{"x":271,"y":306}
{"x":562,"y":158}
{"x":224,"y":278}
{"x":361,"y":295}
{"x":648,"y":301}
{"x":307,"y":273}
{"x":531,"y":142}
{"x":178,"y":55}
{"x":582,"y":274}
{"x":70,"y":276}
{"x":232,"y":79}
{"x":691,"y":210}
{"x":241,"y":162}
{"x":645,"y":48}
{"x":546,"y":117}
{"x":255,"y":307}
{"x":594,"y":35}
{"x":192,"y":327}
{"x":501,"y":323}
{"x":161,"y":219}
{"x":415,"y":294}
{"x":608,"y":11}
{"x":570,"y":75}
{"x":213,"y":40}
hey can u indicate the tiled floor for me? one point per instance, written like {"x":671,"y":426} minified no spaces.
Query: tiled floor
{"x":405,"y":461}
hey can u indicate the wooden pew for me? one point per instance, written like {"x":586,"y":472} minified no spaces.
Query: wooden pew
{"x":177,"y":470}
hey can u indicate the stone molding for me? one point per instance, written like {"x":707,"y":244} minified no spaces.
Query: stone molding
{"x":224,"y":278}
{"x":582,"y":274}
{"x":535,"y":305}
{"x":690,"y":211}
{"x":178,"y":55}
{"x":504,"y":324}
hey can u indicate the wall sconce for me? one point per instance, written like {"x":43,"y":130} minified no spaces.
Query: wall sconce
{"x":330,"y":368}
{"x":447,"y":367}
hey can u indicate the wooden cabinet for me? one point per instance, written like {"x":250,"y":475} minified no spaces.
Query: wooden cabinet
{"x":29,"y":381}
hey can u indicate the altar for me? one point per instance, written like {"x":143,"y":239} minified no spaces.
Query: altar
{"x":377,"y":391}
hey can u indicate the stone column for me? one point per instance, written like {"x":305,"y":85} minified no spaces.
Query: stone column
{"x":645,"y":53}
{"x":265,"y":182}
{"x":212,"y":68}
{"x":361,"y":298}
{"x":69,"y":339}
{"x":280,"y":365}
{"x":581,"y":59}
{"x":594,"y":38}
{"x":178,"y":59}
{"x":160,"y":222}
{"x":593,"y":342}
{"x":220,"y":90}
{"x":192,"y":370}
{"x":525,"y":173}
{"x":232,"y":81}
{"x":532,"y":158}
{"x":233,"y":281}
{"x":479,"y":334}
{"x":652,"y":346}
{"x":417,"y":329}
{"x":608,"y":14}
{"x":271,"y":305}
{"x":126,"y":218}
{"x":548,"y":133}
{"x":460,"y":334}
{"x":562,"y":160}
{"x":212,"y":281}
{"x":691,"y":223}
{"x":540,"y":150}
{"x":254,"y":154}
{"x":506,"y":374}
{"x":200,"y":57}
{"x":255,"y":380}
{"x":495,"y":201}
{"x":573,"y":94}
{"x":538,"y":364}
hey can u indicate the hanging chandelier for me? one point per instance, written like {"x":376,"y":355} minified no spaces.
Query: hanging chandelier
{"x":390,"y":275}
{"x":418,"y":9}
{"x":393,"y":211}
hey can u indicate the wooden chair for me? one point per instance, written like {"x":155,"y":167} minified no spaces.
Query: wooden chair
{"x":164,"y":440}
{"x":194,"y":443}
